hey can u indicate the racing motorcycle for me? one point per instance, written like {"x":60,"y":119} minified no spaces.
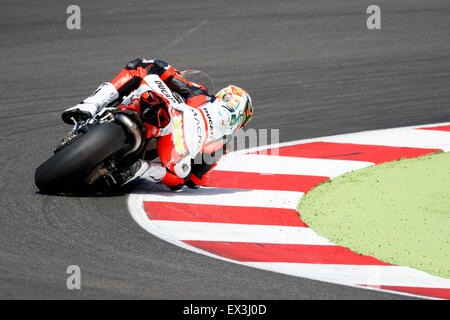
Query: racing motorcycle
{"x":91,"y":157}
{"x":93,"y":152}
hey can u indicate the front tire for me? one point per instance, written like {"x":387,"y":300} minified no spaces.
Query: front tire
{"x":71,"y":164}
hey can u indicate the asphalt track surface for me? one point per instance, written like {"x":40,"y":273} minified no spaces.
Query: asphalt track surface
{"x":312,"y":68}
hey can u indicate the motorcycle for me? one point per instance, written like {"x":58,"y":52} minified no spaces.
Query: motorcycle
{"x":91,"y":157}
{"x":93,"y":152}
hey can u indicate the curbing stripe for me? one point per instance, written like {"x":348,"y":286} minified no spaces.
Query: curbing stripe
{"x":237,"y":197}
{"x":431,"y":292}
{"x":266,"y":164}
{"x":350,"y":151}
{"x":427,"y":139}
{"x":259,"y":181}
{"x":284,"y":252}
{"x":439,"y":128}
{"x":272,"y":242}
{"x":373,"y":275}
{"x":219,"y":233}
{"x":191,"y":212}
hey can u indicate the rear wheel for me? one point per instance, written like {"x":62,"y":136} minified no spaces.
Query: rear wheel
{"x":71,"y":165}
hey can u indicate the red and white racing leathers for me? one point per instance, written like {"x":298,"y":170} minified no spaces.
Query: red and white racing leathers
{"x":194,"y":137}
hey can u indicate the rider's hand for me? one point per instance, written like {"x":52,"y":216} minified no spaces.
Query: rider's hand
{"x":190,"y":184}
{"x":154,"y":109}
{"x":176,"y":188}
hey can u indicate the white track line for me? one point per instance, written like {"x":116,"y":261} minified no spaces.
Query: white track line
{"x":346,"y":136}
{"x":340,"y":274}
{"x":399,"y":138}
{"x":358,"y":274}
{"x":289,"y":165}
{"x":352,"y":275}
{"x":205,"y":231}
{"x":235,"y":197}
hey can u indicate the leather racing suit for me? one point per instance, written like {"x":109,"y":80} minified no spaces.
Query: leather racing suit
{"x":191,"y":136}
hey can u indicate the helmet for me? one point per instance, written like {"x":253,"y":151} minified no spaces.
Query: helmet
{"x":238,"y":102}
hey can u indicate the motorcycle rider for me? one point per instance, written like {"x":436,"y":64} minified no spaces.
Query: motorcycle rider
{"x":145,"y":86}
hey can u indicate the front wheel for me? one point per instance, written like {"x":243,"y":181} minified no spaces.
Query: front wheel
{"x":72,"y":164}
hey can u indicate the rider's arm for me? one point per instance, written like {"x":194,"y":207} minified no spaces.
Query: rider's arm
{"x":123,"y":84}
{"x":130,"y":78}
{"x":205,"y":163}
{"x":194,"y":94}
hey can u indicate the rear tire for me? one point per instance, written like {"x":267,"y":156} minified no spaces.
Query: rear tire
{"x":71,"y":164}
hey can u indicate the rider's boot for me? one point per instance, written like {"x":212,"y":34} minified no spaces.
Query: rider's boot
{"x":104,"y":95}
{"x":152,"y":171}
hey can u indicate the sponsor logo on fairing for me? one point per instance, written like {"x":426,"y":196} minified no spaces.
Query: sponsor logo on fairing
{"x":198,"y":131}
{"x":167,"y":93}
{"x":210,"y":122}
{"x":178,"y":135}
{"x":184,"y":167}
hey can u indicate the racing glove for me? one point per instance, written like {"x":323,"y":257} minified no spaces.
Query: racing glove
{"x":154,"y":109}
{"x":172,"y":181}
{"x":191,"y":184}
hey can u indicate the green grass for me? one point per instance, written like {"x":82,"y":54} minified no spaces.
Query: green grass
{"x":398,"y":212}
